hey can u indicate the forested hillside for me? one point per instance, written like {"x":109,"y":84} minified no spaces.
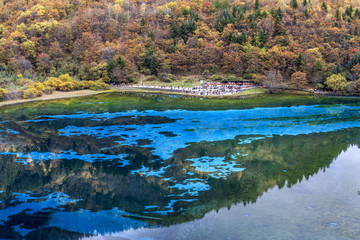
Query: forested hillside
{"x":288,"y":42}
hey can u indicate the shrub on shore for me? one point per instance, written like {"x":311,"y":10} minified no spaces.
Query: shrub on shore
{"x":32,"y":92}
{"x":25,"y":82}
{"x":23,"y":87}
{"x":51,"y":82}
{"x":39,"y":86}
{"x":48,"y":90}
{"x":99,"y":85}
{"x":87,"y":84}
{"x":63,"y":83}
{"x":3,"y":93}
{"x":67,"y":83}
{"x":26,"y":87}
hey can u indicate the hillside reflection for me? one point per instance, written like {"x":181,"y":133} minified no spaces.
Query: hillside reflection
{"x":86,"y":173}
{"x":103,"y":186}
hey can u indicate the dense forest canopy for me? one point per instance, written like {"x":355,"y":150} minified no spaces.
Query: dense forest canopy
{"x":291,"y":42}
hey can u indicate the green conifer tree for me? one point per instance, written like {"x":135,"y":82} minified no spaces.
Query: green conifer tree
{"x":279,"y":13}
{"x":294,"y":4}
{"x":150,"y":58}
{"x":324,"y":6}
{"x":257,"y":5}
{"x":174,"y":31}
{"x":299,"y":62}
{"x":252,"y":24}
{"x":306,"y":13}
{"x":263,"y":38}
{"x":337,"y":69}
{"x":337,"y":14}
{"x":318,"y":67}
{"x":294,"y":20}
{"x":278,"y":28}
{"x":272,"y":12}
{"x":357,"y":13}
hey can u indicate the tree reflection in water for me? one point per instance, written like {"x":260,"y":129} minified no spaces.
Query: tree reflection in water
{"x":106,"y":170}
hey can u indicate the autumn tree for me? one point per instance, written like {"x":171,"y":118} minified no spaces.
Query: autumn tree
{"x":356,"y":71}
{"x":318,"y":71}
{"x":352,"y":87}
{"x":298,"y":80}
{"x":115,"y":68}
{"x":336,"y":82}
{"x":232,"y":60}
{"x":84,"y":37}
{"x":273,"y":80}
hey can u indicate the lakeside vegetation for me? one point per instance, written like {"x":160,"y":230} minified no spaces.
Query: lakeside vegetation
{"x":69,"y":45}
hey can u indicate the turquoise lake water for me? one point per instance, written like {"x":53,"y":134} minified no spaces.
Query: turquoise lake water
{"x":138,"y":166}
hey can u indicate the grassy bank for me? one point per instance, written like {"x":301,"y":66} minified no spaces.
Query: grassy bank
{"x":53,"y":96}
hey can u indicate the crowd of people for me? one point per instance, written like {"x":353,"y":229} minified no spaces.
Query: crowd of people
{"x":218,"y":89}
{"x":208,"y":89}
{"x":324,"y":92}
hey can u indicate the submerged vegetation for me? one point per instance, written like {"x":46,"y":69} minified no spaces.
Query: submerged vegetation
{"x":74,"y":165}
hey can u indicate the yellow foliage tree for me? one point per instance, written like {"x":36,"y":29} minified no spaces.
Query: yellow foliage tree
{"x":336,"y":82}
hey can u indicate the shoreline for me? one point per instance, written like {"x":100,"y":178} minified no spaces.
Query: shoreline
{"x":53,"y":96}
{"x":83,"y":93}
{"x":245,"y":93}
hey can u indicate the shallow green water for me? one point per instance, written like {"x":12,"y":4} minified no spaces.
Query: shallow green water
{"x":164,"y":167}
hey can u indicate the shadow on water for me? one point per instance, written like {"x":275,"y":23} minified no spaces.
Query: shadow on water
{"x":68,"y":174}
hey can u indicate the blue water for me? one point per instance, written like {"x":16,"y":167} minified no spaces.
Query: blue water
{"x":139,"y":173}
